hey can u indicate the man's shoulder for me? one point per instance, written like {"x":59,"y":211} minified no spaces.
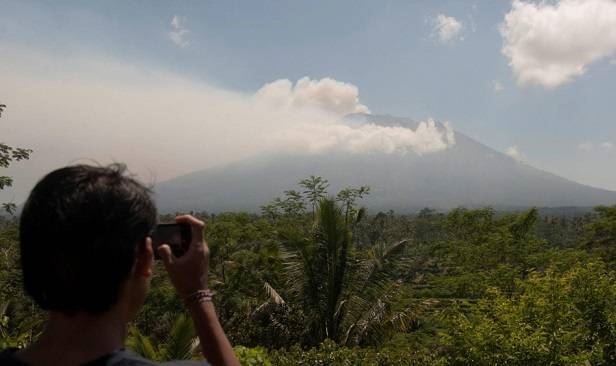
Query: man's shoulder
{"x":7,"y":358}
{"x":128,"y":358}
{"x":118,"y":358}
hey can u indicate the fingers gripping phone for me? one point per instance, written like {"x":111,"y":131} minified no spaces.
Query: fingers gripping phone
{"x":177,"y":236}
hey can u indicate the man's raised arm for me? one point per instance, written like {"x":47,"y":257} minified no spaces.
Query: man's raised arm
{"x":188,"y":275}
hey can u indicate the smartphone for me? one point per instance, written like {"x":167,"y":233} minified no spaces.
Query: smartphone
{"x":177,"y":236}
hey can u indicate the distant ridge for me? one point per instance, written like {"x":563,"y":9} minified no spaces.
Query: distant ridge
{"x":467,"y":174}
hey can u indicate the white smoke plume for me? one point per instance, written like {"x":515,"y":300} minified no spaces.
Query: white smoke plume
{"x":162,"y":125}
{"x":514,"y":153}
{"x":366,"y":138}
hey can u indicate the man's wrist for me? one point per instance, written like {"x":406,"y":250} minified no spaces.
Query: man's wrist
{"x":206,"y":307}
{"x":186,"y":291}
{"x":204,"y":295}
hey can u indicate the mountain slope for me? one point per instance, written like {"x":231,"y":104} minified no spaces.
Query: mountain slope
{"x":466,"y":174}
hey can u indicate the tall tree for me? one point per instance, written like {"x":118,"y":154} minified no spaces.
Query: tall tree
{"x":315,"y":188}
{"x":600,"y":233}
{"x":348,"y":198}
{"x":344,"y":296}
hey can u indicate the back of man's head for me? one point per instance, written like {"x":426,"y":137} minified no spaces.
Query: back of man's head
{"x":79,"y":233}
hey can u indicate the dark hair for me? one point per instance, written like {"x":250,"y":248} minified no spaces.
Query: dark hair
{"x":79,"y":232}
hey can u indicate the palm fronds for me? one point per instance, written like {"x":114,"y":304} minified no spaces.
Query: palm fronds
{"x":342,"y":296}
{"x":141,"y":344}
{"x":180,"y":344}
{"x":273,"y":294}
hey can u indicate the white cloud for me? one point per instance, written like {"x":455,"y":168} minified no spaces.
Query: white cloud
{"x":179,"y":33}
{"x":497,"y":86}
{"x":447,"y":27}
{"x":163,"y":126}
{"x":514,"y":153}
{"x":327,"y":94}
{"x":607,"y":146}
{"x":586,"y":146}
{"x":550,"y":44}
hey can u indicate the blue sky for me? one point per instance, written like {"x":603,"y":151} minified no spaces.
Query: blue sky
{"x":392,"y":51}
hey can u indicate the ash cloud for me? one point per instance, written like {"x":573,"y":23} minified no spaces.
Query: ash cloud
{"x":162,"y":125}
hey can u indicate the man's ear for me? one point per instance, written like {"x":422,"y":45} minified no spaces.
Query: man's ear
{"x":144,"y":262}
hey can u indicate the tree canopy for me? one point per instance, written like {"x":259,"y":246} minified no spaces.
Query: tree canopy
{"x":315,"y":279}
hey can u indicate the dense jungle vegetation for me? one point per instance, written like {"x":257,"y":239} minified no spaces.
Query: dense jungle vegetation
{"x":316,"y":280}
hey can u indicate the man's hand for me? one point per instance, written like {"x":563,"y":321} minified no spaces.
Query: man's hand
{"x":188,"y":273}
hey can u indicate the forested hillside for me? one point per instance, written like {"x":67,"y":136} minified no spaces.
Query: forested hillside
{"x":316,"y":280}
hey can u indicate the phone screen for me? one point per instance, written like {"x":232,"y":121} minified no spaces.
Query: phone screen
{"x":177,"y":236}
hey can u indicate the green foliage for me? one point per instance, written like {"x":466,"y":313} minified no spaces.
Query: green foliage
{"x":554,"y":318}
{"x":10,"y":272}
{"x":294,"y":204}
{"x":20,"y":320}
{"x":600,"y":234}
{"x":252,"y":356}
{"x":315,"y":280}
{"x":11,"y":338}
{"x":342,"y":295}
{"x":315,"y":189}
{"x":477,"y":250}
{"x":179,"y":344}
{"x":245,"y":256}
{"x":8,"y":155}
{"x":562,"y":231}
{"x":348,"y":199}
{"x":161,"y":308}
{"x":142,"y":345}
{"x":329,"y":353}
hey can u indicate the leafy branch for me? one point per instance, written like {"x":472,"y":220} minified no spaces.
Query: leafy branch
{"x":9,"y":155}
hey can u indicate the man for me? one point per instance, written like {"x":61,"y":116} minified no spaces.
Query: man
{"x":87,"y":259}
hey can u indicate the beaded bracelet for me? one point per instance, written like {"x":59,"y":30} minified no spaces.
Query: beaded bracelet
{"x":199,"y":297}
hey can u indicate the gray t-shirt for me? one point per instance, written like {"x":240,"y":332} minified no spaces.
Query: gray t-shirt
{"x":118,"y":358}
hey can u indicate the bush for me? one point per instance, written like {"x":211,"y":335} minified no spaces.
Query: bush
{"x":252,"y":356}
{"x":330,"y":354}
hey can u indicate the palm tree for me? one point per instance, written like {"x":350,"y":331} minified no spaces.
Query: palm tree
{"x":180,"y":344}
{"x":344,"y":296}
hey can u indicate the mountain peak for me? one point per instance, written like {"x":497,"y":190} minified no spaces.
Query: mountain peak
{"x":467,"y":173}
